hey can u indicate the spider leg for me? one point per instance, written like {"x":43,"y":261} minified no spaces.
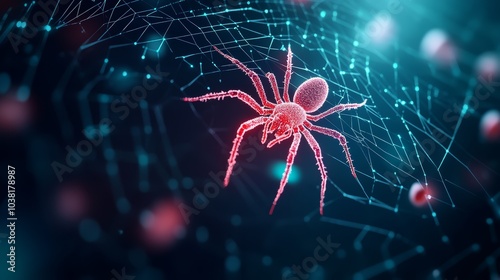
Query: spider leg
{"x":253,"y":76}
{"x":288,"y":168}
{"x":274,"y":85}
{"x":319,"y":159}
{"x":288,"y":74}
{"x":337,"y":135}
{"x":265,"y":130}
{"x":244,"y":127}
{"x":233,"y":94}
{"x":338,"y":108}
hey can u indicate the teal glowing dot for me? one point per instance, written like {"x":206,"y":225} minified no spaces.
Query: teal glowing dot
{"x":278,"y":168}
{"x":287,"y":22}
{"x":124,"y":73}
{"x":267,"y":261}
{"x":489,"y":221}
{"x":351,"y":66}
{"x":475,"y":247}
{"x":173,"y":184}
{"x":143,"y":57}
{"x":395,"y":65}
{"x":109,"y":154}
{"x":123,"y":205}
{"x":202,"y":234}
{"x":106,"y":60}
{"x":389,"y":264}
{"x":355,"y":43}
{"x":236,"y":220}
{"x":135,"y":43}
{"x":231,"y":246}
{"x":419,"y":249}
{"x":266,"y":11}
{"x":48,"y":28}
{"x":143,"y":160}
{"x":89,"y":230}
{"x":323,"y":14}
{"x":233,"y":264}
{"x":4,"y":82}
{"x":417,"y":88}
{"x":148,"y":76}
{"x":304,"y":36}
{"x":187,"y":183}
{"x":433,"y":214}
{"x":445,"y":239}
{"x":112,"y":168}
{"x":23,"y":93}
{"x":19,"y":24}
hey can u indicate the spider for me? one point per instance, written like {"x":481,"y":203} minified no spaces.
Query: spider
{"x":285,"y":119}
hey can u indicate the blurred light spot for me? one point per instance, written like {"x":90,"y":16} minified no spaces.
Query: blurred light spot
{"x":235,"y":220}
{"x":173,"y":184}
{"x":488,"y":66}
{"x":381,"y":29}
{"x":317,"y":273}
{"x":162,"y":225}
{"x":89,"y":230}
{"x":490,"y":126}
{"x":72,"y":203}
{"x":418,"y":195}
{"x":233,"y":264}
{"x":202,"y":234}
{"x":187,"y":183}
{"x":436,"y":46}
{"x":231,"y":246}
{"x":278,"y":168}
{"x":341,"y":254}
{"x":267,"y":260}
{"x":14,"y":114}
{"x":123,"y":205}
{"x":4,"y":82}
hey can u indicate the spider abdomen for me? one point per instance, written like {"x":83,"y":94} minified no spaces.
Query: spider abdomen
{"x":290,"y":113}
{"x":311,"y":94}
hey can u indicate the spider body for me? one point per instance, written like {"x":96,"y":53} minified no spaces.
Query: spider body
{"x":286,"y":116}
{"x":285,"y":119}
{"x":311,"y":94}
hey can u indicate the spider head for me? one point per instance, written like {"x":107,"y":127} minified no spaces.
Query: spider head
{"x":279,"y":125}
{"x":311,"y":94}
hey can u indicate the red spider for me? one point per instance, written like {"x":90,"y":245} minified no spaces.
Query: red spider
{"x":285,"y":118}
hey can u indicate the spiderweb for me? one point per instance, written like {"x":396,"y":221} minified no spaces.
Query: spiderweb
{"x":406,"y":133}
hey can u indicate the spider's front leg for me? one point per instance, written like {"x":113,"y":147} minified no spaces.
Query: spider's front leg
{"x":253,"y":76}
{"x":244,"y":127}
{"x":337,"y":109}
{"x":232,"y":94}
{"x":288,"y":168}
